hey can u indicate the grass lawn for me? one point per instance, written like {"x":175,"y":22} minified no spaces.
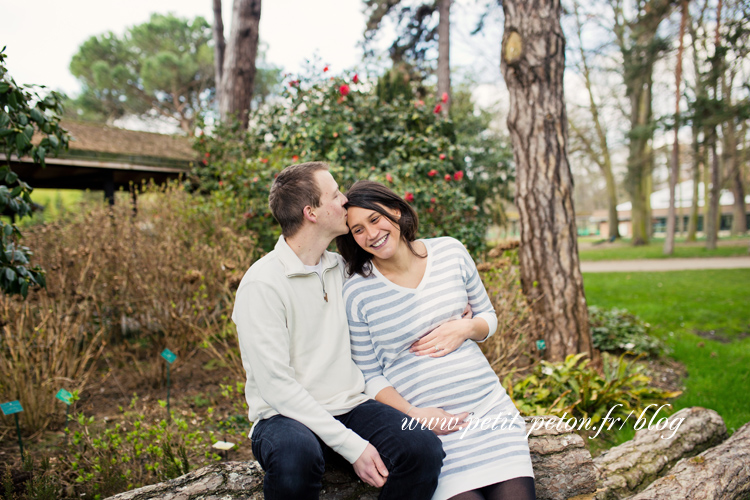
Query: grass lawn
{"x":654,"y":250}
{"x":678,"y":305}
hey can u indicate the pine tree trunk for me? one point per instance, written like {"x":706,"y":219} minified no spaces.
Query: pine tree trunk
{"x":238,"y":75}
{"x":444,"y":66}
{"x":533,"y":60}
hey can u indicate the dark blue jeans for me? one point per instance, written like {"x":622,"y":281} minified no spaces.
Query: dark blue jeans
{"x":293,"y":457}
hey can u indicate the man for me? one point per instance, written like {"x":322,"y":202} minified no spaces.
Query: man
{"x":304,"y":392}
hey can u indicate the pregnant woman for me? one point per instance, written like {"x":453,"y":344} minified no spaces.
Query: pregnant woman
{"x":404,"y":302}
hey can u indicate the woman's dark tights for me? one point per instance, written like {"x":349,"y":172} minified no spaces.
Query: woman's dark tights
{"x":519,"y":488}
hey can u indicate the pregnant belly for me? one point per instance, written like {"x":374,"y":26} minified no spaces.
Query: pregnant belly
{"x":460,"y":381}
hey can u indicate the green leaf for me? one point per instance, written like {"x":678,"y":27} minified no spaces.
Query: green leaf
{"x":37,"y":116}
{"x":8,"y":229}
{"x":10,"y":274}
{"x":22,"y":143}
{"x":10,"y":178}
{"x":4,"y":87}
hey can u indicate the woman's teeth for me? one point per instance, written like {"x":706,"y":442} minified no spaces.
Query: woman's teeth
{"x":380,"y":242}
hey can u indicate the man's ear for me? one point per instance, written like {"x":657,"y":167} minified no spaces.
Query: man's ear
{"x":309,"y":214}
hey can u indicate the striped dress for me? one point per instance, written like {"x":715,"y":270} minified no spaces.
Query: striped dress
{"x":385,"y":319}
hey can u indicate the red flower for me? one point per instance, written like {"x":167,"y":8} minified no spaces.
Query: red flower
{"x":264,"y":160}
{"x":204,"y":162}
{"x":431,"y":209}
{"x":295,"y":158}
{"x":419,"y":103}
{"x":255,"y":179}
{"x":447,"y":177}
{"x":442,"y":156}
{"x":221,"y":183}
{"x":389,"y":177}
{"x":294,"y":83}
{"x":432,"y":173}
{"x":325,"y":69}
{"x":445,"y":97}
{"x":208,"y":154}
{"x":458,"y":175}
{"x":432,"y":200}
{"x":437,"y":109}
{"x":355,"y":78}
{"x":344,"y":90}
{"x":335,"y":134}
{"x":409,"y":197}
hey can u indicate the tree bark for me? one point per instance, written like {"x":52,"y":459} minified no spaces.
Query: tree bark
{"x":238,"y":75}
{"x":674,"y":175}
{"x":712,"y":222}
{"x":562,"y":464}
{"x":632,"y":466}
{"x":533,"y":60}
{"x":719,"y":473}
{"x":219,"y":46}
{"x":444,"y":66}
{"x":693,"y":218}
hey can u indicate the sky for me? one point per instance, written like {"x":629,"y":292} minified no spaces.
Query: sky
{"x":43,"y":35}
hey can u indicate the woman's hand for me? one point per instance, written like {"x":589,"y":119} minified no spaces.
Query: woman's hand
{"x":444,"y":339}
{"x":439,"y":421}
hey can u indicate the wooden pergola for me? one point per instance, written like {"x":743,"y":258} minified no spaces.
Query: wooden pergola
{"x":102,"y":158}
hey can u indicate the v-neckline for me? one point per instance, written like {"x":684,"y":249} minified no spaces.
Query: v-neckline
{"x":422,"y":282}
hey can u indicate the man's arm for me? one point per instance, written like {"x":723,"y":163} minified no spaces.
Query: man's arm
{"x":264,"y":342}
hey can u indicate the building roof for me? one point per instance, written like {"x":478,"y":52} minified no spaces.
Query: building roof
{"x":100,"y":138}
{"x":683,"y":197}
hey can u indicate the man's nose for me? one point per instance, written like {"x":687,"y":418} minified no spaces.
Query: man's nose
{"x":346,"y":200}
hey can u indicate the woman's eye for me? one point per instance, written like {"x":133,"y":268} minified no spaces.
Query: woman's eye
{"x":375,"y":219}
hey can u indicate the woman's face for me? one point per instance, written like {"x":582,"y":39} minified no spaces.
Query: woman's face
{"x":374,"y":232}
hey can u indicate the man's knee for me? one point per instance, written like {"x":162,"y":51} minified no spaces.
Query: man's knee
{"x":292,"y":458}
{"x":420,"y":450}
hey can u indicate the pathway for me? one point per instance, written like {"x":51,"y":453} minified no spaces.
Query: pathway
{"x":655,"y":265}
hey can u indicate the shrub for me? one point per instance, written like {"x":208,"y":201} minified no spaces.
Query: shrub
{"x":575,"y":388}
{"x":616,"y":330}
{"x":403,"y":143}
{"x":163,"y":277}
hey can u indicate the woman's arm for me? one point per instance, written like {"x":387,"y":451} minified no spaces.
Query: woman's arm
{"x":438,"y":421}
{"x":449,"y":336}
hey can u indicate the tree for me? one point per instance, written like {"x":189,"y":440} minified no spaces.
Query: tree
{"x":640,"y":46}
{"x":533,"y":61}
{"x":416,"y":35}
{"x":597,"y":147}
{"x":163,"y":67}
{"x":674,"y":174}
{"x":23,"y":112}
{"x":235,"y":61}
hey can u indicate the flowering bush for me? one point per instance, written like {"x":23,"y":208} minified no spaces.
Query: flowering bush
{"x":402,"y":143}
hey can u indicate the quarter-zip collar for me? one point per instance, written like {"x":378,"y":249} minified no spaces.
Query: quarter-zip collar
{"x":293,"y":265}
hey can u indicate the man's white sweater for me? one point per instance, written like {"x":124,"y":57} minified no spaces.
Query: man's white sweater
{"x":294,"y":341}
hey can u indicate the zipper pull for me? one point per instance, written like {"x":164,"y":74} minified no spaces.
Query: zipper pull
{"x":325,"y":296}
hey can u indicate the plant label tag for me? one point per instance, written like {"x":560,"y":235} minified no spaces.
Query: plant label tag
{"x":223,"y":445}
{"x":64,"y":396}
{"x":168,"y":355}
{"x":541,"y":345}
{"x":11,"y":407}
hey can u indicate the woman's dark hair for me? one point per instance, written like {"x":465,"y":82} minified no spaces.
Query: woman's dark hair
{"x":372,"y":195}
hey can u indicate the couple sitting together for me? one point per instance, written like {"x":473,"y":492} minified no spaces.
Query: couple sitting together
{"x":342,"y":351}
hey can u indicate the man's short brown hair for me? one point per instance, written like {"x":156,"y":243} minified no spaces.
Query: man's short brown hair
{"x":293,"y":189}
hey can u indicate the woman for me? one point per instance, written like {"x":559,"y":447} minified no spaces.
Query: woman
{"x":404,"y":302}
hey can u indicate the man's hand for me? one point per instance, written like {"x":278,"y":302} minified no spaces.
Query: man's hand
{"x":370,"y":468}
